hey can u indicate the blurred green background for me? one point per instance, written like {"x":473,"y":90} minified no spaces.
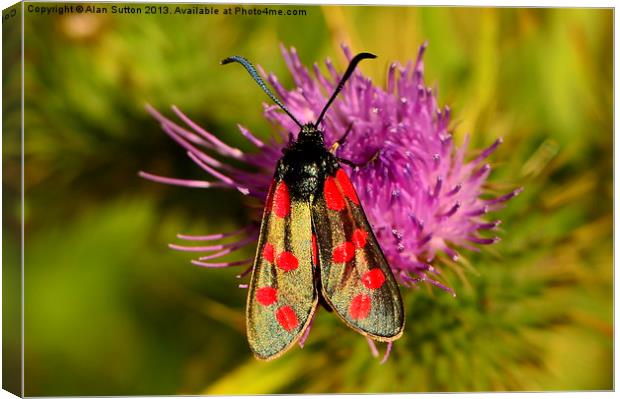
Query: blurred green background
{"x":111,"y":310}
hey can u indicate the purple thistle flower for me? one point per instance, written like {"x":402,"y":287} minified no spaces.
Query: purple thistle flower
{"x":418,"y":192}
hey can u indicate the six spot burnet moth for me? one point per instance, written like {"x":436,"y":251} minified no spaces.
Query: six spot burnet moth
{"x":316,"y":245}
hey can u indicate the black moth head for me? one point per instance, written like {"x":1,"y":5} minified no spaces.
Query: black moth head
{"x":308,"y":130}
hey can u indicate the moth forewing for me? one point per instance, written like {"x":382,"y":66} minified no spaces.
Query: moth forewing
{"x":356,"y":279}
{"x":281,"y":296}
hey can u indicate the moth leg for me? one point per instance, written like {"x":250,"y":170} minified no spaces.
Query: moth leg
{"x":363,"y":164}
{"x":341,"y":140}
{"x":347,"y":162}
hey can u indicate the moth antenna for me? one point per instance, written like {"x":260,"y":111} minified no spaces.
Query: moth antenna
{"x":252,"y":71}
{"x":345,"y":77}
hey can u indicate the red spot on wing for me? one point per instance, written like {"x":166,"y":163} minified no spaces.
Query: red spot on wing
{"x":373,"y":279}
{"x":360,"y":307}
{"x":359,"y":238}
{"x":287,"y":318}
{"x":266,"y":295}
{"x":347,"y":187}
{"x":287,"y":261}
{"x":281,"y":200}
{"x":333,"y":197}
{"x":269,"y":252}
{"x":315,"y":256}
{"x":343,"y":252}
